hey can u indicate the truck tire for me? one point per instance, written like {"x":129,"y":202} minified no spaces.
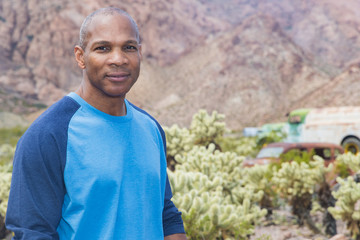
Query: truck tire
{"x":351,"y":144}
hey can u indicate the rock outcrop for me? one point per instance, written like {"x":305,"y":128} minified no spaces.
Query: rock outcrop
{"x":251,"y":60}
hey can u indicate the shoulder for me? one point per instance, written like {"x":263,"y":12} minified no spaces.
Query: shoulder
{"x":145,"y":115}
{"x":61,"y":111}
{"x":56,"y":117}
{"x":48,"y":133}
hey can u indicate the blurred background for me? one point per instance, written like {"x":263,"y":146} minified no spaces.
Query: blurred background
{"x":253,"y":61}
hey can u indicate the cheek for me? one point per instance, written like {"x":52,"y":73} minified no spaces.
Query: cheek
{"x":136,"y":64}
{"x":93,"y":63}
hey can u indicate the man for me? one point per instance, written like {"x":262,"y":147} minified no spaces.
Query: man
{"x":93,"y":166}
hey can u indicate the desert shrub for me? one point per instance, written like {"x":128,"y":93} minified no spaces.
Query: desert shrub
{"x":207,"y":128}
{"x":215,"y":202}
{"x":347,"y":194}
{"x":11,"y":135}
{"x":259,"y":178}
{"x":5,"y":179}
{"x":347,"y":163}
{"x":204,"y":129}
{"x":178,"y":141}
{"x":6,"y":156}
{"x":243,"y":146}
{"x":296,"y":182}
{"x":347,"y":206}
{"x":207,"y":182}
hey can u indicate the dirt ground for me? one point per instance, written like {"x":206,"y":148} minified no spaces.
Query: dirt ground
{"x":284,"y":227}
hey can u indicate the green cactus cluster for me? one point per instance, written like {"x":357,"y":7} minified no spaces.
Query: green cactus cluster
{"x":349,"y":161}
{"x":179,"y":140}
{"x":259,"y":178}
{"x":207,"y":128}
{"x":347,"y":206}
{"x":207,"y":188}
{"x":243,"y":146}
{"x":204,"y":129}
{"x":298,"y":178}
{"x":347,"y":194}
{"x":296,"y":183}
{"x":212,"y":163}
{"x":208,"y":182}
{"x":5,"y":180}
{"x":6,"y":155}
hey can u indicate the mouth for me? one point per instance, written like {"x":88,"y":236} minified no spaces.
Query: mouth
{"x":117,"y":76}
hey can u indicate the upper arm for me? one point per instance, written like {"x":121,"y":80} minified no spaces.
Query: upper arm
{"x":172,"y":221}
{"x":37,"y":187}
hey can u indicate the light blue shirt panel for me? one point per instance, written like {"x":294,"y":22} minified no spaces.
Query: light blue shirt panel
{"x":115,"y":176}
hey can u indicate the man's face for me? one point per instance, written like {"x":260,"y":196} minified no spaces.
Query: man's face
{"x":111,"y":58}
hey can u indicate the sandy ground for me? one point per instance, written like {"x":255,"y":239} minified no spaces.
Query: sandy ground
{"x":284,"y":227}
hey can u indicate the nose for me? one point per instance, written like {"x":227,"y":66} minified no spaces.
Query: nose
{"x":118,"y":57}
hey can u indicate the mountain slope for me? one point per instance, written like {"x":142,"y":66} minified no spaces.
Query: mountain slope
{"x":252,"y":60}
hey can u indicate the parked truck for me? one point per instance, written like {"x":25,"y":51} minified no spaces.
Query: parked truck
{"x":339,"y":125}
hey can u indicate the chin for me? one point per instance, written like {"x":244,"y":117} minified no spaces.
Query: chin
{"x":116,"y":94}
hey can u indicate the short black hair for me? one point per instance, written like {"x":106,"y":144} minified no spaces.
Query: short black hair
{"x":103,"y":11}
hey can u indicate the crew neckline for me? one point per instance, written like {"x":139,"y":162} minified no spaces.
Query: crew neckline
{"x":98,"y":112}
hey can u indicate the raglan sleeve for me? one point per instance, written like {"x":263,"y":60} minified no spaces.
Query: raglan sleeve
{"x":37,"y":186}
{"x":172,"y":221}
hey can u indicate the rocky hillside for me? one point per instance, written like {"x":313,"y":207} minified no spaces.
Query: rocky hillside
{"x":253,"y":60}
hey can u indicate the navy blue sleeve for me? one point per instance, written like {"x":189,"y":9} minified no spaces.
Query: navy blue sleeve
{"x":172,"y":221}
{"x":37,"y":187}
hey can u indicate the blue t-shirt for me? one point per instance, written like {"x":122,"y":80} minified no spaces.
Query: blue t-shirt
{"x":80,"y":173}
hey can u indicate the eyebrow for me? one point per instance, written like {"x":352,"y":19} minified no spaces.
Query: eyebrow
{"x":133,"y":41}
{"x":103,"y":42}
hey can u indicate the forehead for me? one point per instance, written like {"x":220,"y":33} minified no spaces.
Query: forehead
{"x":114,"y":27}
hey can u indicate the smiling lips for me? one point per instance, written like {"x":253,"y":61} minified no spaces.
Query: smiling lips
{"x":118,"y":76}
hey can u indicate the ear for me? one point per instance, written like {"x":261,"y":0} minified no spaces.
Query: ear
{"x":79,"y":56}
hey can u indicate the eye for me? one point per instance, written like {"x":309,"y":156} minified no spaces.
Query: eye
{"x":102,"y":49}
{"x":131,"y":48}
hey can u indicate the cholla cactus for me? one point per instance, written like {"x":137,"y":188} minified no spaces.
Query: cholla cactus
{"x":208,"y":190}
{"x":243,"y":146}
{"x":207,"y":128}
{"x":347,"y":206}
{"x":6,"y":156}
{"x":350,"y":161}
{"x":5,"y":180}
{"x":295,"y":179}
{"x":212,"y":163}
{"x":296,"y":182}
{"x":178,"y":141}
{"x":207,"y":183}
{"x":259,"y":178}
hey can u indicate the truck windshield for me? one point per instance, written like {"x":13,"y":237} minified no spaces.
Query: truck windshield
{"x":270,"y":152}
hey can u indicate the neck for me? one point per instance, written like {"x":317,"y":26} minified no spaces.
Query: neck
{"x":114,"y":106}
